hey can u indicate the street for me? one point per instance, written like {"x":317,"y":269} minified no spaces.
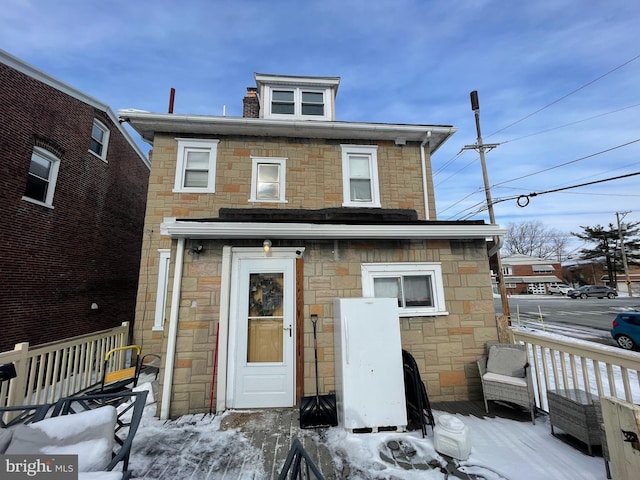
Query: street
{"x":592,"y":313}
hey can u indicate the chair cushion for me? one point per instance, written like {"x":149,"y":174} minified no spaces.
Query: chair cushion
{"x":496,"y":377}
{"x":88,"y":434}
{"x":507,"y":361}
{"x":5,"y":439}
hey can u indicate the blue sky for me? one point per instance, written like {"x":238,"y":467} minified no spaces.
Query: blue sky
{"x":557,"y":80}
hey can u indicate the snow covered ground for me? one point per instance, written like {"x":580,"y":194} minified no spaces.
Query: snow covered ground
{"x":501,"y":449}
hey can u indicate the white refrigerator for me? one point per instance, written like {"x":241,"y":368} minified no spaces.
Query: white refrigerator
{"x":369,"y":368}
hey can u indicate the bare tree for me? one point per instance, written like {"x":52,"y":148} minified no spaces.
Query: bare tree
{"x":534,"y":239}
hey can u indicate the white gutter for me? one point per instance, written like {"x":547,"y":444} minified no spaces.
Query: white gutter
{"x":147,"y":124}
{"x":423,"y":160}
{"x":173,"y":333}
{"x":223,"y":330}
{"x":261,"y":230}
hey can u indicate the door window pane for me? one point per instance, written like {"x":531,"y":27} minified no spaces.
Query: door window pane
{"x":265,"y":340}
{"x":265,"y":335}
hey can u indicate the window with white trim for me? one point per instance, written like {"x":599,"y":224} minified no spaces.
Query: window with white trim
{"x":507,"y":270}
{"x":163,"y":283}
{"x":196,"y":165}
{"x":99,"y":140}
{"x":360,"y":176}
{"x":418,"y":287}
{"x":268,"y":179}
{"x":42,"y":177}
{"x":298,"y":103}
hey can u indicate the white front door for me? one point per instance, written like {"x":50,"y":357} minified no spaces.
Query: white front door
{"x":262,"y":328}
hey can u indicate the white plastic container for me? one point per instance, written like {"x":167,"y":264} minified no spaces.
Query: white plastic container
{"x":451,"y":437}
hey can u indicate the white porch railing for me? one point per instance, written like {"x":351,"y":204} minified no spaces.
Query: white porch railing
{"x":58,"y":369}
{"x":560,"y":362}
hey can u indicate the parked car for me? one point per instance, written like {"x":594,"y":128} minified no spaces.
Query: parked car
{"x":561,"y":289}
{"x":626,"y":330}
{"x":599,"y":291}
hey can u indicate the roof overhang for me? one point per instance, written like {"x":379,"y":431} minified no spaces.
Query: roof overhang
{"x":238,"y":230}
{"x":271,"y":79}
{"x":148,"y":124}
{"x":532,"y":279}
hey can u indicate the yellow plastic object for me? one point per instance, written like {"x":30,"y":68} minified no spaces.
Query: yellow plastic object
{"x":122,"y":374}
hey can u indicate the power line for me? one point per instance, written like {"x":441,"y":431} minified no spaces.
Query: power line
{"x":523,"y":200}
{"x":457,"y":171}
{"x":527,"y":176}
{"x":570,"y":123}
{"x":569,"y":162}
{"x":447,"y":163}
{"x":579,"y":185}
{"x":564,"y":96}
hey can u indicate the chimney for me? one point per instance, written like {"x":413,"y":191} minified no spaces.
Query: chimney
{"x":250,"y":104}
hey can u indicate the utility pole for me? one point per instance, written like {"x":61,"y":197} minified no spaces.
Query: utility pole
{"x":481,"y":148}
{"x":624,"y":254}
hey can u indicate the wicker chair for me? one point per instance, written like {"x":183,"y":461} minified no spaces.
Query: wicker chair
{"x":506,"y":377}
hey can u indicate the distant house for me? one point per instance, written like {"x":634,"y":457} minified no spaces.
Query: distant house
{"x":258,"y":223}
{"x":73,"y":194}
{"x":525,"y":274}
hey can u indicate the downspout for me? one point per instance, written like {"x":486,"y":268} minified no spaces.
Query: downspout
{"x":173,"y":333}
{"x":423,"y":164}
{"x":223,"y":321}
{"x":498,"y":243}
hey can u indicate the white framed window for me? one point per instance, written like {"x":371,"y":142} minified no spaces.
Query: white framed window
{"x":196,"y":165}
{"x":507,"y":270}
{"x":417,"y":286}
{"x":99,"y":140}
{"x":298,"y":102}
{"x":360,"y":176}
{"x":268,"y":179}
{"x":163,"y":283}
{"x":42,"y":177}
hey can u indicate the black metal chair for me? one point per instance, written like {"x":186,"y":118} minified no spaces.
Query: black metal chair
{"x":127,"y":421}
{"x":299,"y":465}
{"x":419,"y":413}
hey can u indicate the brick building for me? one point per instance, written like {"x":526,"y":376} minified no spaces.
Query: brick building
{"x":260,"y":222}
{"x":526,"y":274}
{"x":72,"y":195}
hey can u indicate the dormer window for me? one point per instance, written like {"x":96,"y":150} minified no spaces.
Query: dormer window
{"x":297,"y":98}
{"x":298,"y":103}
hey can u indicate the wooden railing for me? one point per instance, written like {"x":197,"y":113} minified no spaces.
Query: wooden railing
{"x":560,"y":362}
{"x":59,"y":369}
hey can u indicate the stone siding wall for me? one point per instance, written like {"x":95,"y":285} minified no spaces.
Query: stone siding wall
{"x":445,"y":347}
